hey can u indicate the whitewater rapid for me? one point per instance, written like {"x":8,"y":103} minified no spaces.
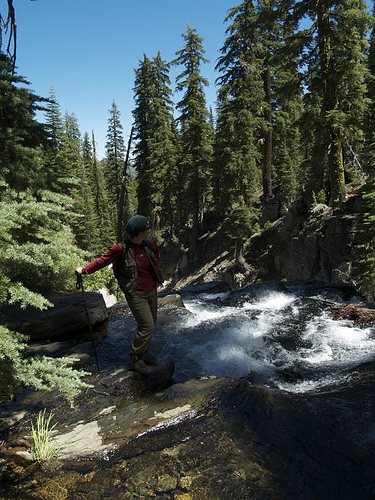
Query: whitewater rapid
{"x":267,"y":338}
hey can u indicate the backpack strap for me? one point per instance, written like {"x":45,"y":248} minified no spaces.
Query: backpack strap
{"x":125,"y":246}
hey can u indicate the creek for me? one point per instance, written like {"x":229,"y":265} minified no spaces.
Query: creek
{"x":281,"y":335}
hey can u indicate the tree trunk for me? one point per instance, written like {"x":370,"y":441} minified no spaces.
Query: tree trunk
{"x":336,"y":170}
{"x":195,"y":229}
{"x":120,"y":208}
{"x":268,"y":140}
{"x":330,"y":103}
{"x":241,"y":264}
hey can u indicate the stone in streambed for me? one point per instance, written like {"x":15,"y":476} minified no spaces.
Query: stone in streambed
{"x":161,"y":375}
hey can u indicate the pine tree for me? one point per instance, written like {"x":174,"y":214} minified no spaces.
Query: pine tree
{"x":37,"y":251}
{"x":196,"y":145}
{"x":365,"y":240}
{"x":103,"y":215}
{"x":282,"y":89}
{"x":21,"y":137}
{"x":240,"y":112}
{"x":87,"y":231}
{"x":115,"y":152}
{"x":143,"y":89}
{"x":124,"y":210}
{"x":54,"y":122}
{"x":369,"y":149}
{"x":68,"y":156}
{"x":154,"y":150}
{"x":335,"y":52}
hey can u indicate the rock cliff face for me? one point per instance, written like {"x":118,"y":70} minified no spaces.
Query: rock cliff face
{"x":313,"y":245}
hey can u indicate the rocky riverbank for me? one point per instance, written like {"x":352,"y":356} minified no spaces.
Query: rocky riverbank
{"x":209,"y":437}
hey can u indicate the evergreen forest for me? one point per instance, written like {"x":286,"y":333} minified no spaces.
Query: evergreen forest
{"x":294,"y":117}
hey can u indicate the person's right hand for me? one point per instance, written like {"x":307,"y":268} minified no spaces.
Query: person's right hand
{"x":79,"y":271}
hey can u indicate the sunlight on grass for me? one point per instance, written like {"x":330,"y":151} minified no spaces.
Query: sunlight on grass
{"x":45,"y":446}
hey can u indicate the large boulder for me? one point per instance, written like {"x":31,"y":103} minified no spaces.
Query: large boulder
{"x":67,"y":316}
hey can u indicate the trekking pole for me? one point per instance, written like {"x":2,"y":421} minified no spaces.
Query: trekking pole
{"x":79,"y":285}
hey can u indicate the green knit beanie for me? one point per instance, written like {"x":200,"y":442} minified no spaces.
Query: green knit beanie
{"x":136,"y":225}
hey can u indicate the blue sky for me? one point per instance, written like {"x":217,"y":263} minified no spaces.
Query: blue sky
{"x":88,"y":49}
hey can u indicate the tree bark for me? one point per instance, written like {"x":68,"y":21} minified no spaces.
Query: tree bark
{"x":121,"y":202}
{"x":268,"y":140}
{"x":241,"y":264}
{"x":330,"y":103}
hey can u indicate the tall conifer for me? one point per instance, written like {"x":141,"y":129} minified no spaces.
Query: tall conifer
{"x":241,"y":102}
{"x":21,"y":137}
{"x":195,"y":129}
{"x":103,"y":215}
{"x":155,"y":148}
{"x":115,"y":152}
{"x":334,"y":49}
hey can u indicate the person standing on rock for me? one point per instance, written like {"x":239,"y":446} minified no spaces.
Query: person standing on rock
{"x":136,"y":268}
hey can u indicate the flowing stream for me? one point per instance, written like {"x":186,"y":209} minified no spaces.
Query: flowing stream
{"x":278,"y":335}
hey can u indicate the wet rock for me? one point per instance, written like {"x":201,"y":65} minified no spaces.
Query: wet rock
{"x":171,"y":300}
{"x":80,"y":353}
{"x":160,"y":377}
{"x":361,"y":315}
{"x":209,"y":287}
{"x":185,"y":482}
{"x":19,"y":443}
{"x":182,"y":496}
{"x":68,"y":315}
{"x":292,"y":376}
{"x":235,"y":441}
{"x":12,"y":419}
{"x":84,"y":439}
{"x":26,"y":455}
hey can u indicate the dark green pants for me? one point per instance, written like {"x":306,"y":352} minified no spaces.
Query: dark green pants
{"x":143,"y":305}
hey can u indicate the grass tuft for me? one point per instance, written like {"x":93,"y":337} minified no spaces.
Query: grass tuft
{"x":45,"y":447}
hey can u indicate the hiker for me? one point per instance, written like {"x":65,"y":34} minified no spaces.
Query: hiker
{"x":136,"y":267}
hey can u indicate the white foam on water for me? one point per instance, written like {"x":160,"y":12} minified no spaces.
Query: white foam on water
{"x":203,"y":312}
{"x":274,"y":301}
{"x":313,"y":385}
{"x":214,"y":296}
{"x":337,"y":342}
{"x":206,"y":312}
{"x":234,"y":341}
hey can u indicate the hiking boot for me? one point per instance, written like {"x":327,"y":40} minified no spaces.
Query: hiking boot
{"x":148,"y":359}
{"x":136,"y":364}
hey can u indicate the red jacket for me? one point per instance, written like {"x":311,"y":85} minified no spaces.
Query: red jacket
{"x":146,"y":278}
